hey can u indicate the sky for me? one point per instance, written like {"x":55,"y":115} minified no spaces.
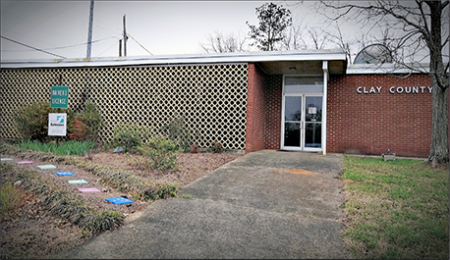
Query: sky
{"x":60,"y":28}
{"x":161,"y":27}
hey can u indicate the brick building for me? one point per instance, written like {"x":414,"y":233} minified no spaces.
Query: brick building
{"x":294,"y":100}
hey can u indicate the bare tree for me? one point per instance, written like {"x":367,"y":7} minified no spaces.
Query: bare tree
{"x":318,"y":39}
{"x":220,"y":43}
{"x":419,"y":26}
{"x":339,"y":41}
{"x":299,"y":37}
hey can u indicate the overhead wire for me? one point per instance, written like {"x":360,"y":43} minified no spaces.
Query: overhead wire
{"x":139,"y":44}
{"x":68,"y":46}
{"x":107,"y":49}
{"x":26,"y":45}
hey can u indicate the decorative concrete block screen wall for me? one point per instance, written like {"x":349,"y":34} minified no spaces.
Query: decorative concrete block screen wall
{"x":212,"y":99}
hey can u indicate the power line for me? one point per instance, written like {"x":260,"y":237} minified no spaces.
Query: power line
{"x":140,"y":44}
{"x":68,"y":46}
{"x":106,"y":49}
{"x":32,"y":47}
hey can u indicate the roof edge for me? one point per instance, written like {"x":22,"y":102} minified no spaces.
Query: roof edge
{"x":179,"y":59}
{"x":388,"y":68}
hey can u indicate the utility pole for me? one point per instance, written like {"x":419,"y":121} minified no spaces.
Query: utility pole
{"x":91,"y":18}
{"x":120,"y":48}
{"x":125,"y":38}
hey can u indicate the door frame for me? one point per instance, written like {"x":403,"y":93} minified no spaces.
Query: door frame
{"x":302,"y":122}
{"x":302,"y":130}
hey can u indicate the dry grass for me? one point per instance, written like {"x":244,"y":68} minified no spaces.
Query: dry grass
{"x":59,"y":202}
{"x":124,"y":181}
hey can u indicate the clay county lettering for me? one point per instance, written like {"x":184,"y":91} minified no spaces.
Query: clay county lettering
{"x":60,"y":97}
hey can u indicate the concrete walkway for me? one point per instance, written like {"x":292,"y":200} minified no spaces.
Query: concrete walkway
{"x":266,"y":204}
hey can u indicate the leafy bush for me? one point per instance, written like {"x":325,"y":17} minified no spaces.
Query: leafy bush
{"x":178,"y":132}
{"x":162,"y":152}
{"x":78,"y":129}
{"x":216,"y":147}
{"x":32,"y":120}
{"x":87,"y":124}
{"x":93,"y":119}
{"x":129,"y":136}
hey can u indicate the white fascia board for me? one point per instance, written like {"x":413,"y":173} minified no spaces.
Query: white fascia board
{"x":390,"y":68}
{"x":166,"y":60}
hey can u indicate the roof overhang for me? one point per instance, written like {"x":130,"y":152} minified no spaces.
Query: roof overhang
{"x":276,"y":62}
{"x":388,"y":68}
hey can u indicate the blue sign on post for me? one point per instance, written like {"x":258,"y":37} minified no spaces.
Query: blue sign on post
{"x":59,"y":97}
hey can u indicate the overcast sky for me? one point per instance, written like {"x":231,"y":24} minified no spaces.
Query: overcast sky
{"x":162,"y":27}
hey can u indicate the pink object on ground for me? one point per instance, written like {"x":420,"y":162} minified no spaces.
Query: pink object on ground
{"x":25,"y":162}
{"x":88,"y":190}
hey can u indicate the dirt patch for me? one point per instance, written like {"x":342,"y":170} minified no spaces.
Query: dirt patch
{"x":30,"y":232}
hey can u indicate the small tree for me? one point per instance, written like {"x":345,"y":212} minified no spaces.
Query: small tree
{"x":273,"y":21}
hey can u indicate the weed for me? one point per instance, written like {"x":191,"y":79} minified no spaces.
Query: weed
{"x":9,"y":197}
{"x":194,"y":148}
{"x":185,"y":196}
{"x":216,"y":147}
{"x":161,"y":191}
{"x":106,"y":146}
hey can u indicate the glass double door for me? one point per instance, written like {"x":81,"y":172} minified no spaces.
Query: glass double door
{"x":302,"y":122}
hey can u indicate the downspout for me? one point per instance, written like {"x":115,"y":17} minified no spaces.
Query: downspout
{"x":324,"y":106}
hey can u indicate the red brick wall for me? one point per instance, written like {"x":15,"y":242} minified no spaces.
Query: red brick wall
{"x":274,"y":88}
{"x":255,"y":110}
{"x":371,"y":123}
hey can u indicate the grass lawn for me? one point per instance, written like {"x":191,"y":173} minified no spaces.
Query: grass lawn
{"x":396,"y":209}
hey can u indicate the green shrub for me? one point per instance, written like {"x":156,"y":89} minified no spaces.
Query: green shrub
{"x":178,"y":132}
{"x":129,"y":136}
{"x":87,"y":124}
{"x":93,"y":119}
{"x":162,"y":152}
{"x":32,"y":120}
{"x":216,"y":147}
